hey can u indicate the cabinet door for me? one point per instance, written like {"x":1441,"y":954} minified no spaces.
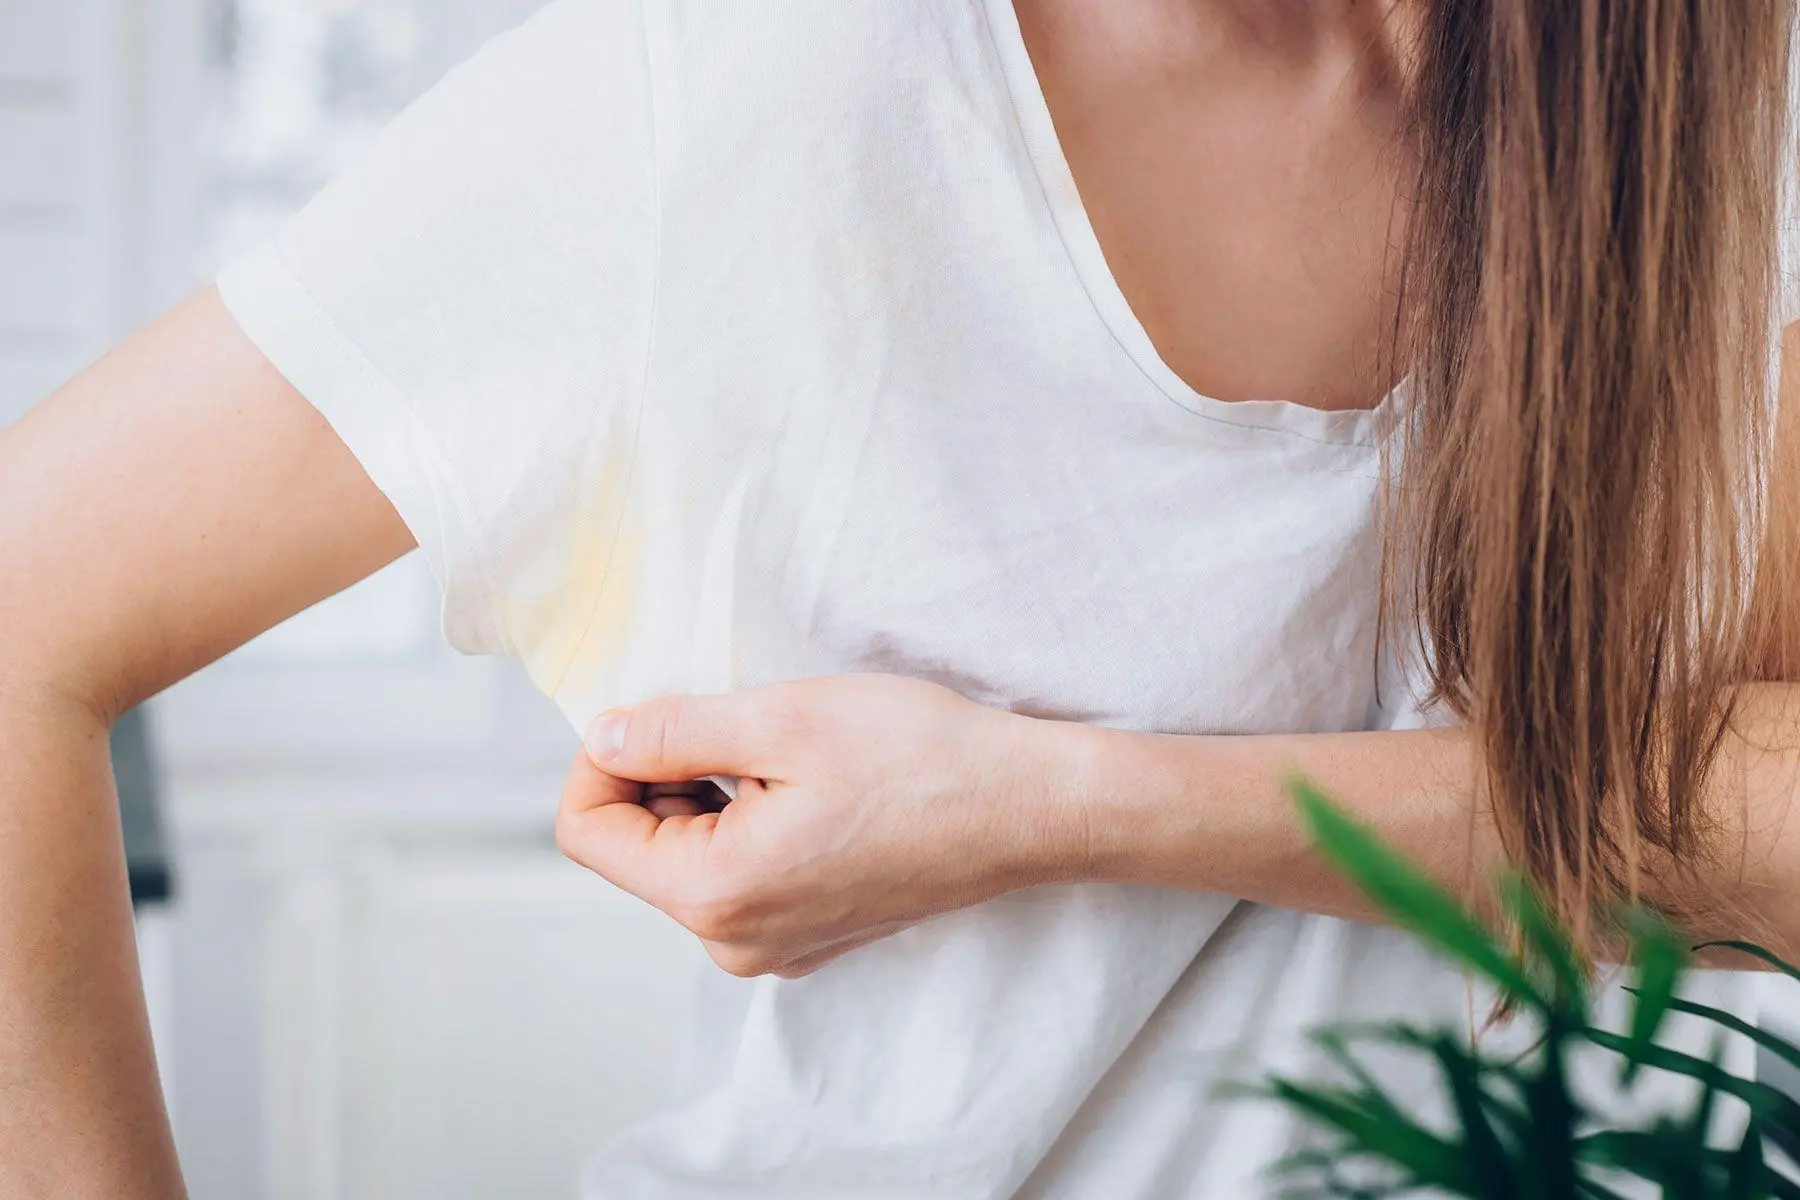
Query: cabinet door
{"x":459,"y":1020}
{"x":392,"y":990}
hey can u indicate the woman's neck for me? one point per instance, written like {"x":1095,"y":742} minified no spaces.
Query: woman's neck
{"x":1304,"y":29}
{"x":1323,"y":36}
{"x":1241,"y":181}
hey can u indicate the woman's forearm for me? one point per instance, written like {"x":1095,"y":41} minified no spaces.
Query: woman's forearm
{"x":1213,"y":814}
{"x":80,"y":1110}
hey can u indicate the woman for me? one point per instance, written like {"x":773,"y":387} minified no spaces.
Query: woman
{"x":960,"y":431}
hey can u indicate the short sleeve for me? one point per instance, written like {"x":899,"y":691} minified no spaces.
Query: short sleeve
{"x":469,"y":307}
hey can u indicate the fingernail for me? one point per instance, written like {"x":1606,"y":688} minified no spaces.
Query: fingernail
{"x":606,"y":736}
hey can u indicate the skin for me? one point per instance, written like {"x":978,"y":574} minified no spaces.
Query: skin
{"x":180,"y":497}
{"x":169,"y":504}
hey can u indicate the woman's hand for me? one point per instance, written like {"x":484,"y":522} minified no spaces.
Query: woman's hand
{"x":867,"y":803}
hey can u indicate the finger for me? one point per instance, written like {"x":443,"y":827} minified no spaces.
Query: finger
{"x":664,"y":808}
{"x":705,"y":791}
{"x":601,"y":825}
{"x":678,"y":799}
{"x":683,"y":787}
{"x":685,"y":737}
{"x":586,"y":788}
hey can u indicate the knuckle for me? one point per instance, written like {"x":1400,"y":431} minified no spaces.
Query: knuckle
{"x":718,"y":917}
{"x":742,"y":961}
{"x":788,"y":714}
{"x":655,"y":729}
{"x":567,"y":839}
{"x":703,"y":924}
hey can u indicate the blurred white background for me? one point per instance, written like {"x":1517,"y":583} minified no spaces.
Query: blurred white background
{"x":377,"y":977}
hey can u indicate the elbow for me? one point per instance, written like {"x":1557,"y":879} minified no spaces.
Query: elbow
{"x":39,"y":678}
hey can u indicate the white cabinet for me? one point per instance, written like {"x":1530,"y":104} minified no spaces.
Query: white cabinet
{"x":512,"y":1011}
{"x":388,"y":984}
{"x":375,"y":1004}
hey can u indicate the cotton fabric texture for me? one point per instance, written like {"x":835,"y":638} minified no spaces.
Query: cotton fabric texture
{"x":705,"y":345}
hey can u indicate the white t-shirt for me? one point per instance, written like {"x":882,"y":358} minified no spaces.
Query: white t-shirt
{"x":704,"y":345}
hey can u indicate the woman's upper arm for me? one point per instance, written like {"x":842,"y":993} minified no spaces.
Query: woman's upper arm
{"x":173,"y":501}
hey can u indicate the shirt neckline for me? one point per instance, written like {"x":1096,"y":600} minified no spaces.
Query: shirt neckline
{"x":1356,"y":426}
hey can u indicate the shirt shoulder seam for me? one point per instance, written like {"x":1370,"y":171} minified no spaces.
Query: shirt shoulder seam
{"x":446,"y":478}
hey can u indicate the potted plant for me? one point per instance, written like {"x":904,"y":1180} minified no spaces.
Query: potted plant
{"x":1519,"y":1129}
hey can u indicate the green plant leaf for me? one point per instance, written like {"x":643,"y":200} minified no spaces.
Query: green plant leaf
{"x":1754,"y":951}
{"x":1521,"y":1130}
{"x":1779,"y":1185}
{"x":1746,"y":1176}
{"x":1690,"y":1152}
{"x":1406,"y":895}
{"x":1766,"y":1103}
{"x":1659,"y":1156}
{"x":1506,"y":1110}
{"x":1546,"y":938}
{"x":1325,"y":1167}
{"x":1641,"y":1152}
{"x":1493,"y":1164}
{"x":1427,"y":1158}
{"x":1549,"y":1146}
{"x":1594,"y":1191}
{"x":1772,"y":1042}
{"x":1660,"y":959}
{"x":1337,"y":1048}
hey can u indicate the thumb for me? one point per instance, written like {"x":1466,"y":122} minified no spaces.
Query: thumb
{"x":685,"y":737}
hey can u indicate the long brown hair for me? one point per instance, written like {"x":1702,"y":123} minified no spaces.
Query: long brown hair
{"x":1585,"y":313}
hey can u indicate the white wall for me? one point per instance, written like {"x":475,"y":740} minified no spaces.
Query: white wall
{"x":76,"y":224}
{"x":380,"y":979}
{"x":59,"y":290}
